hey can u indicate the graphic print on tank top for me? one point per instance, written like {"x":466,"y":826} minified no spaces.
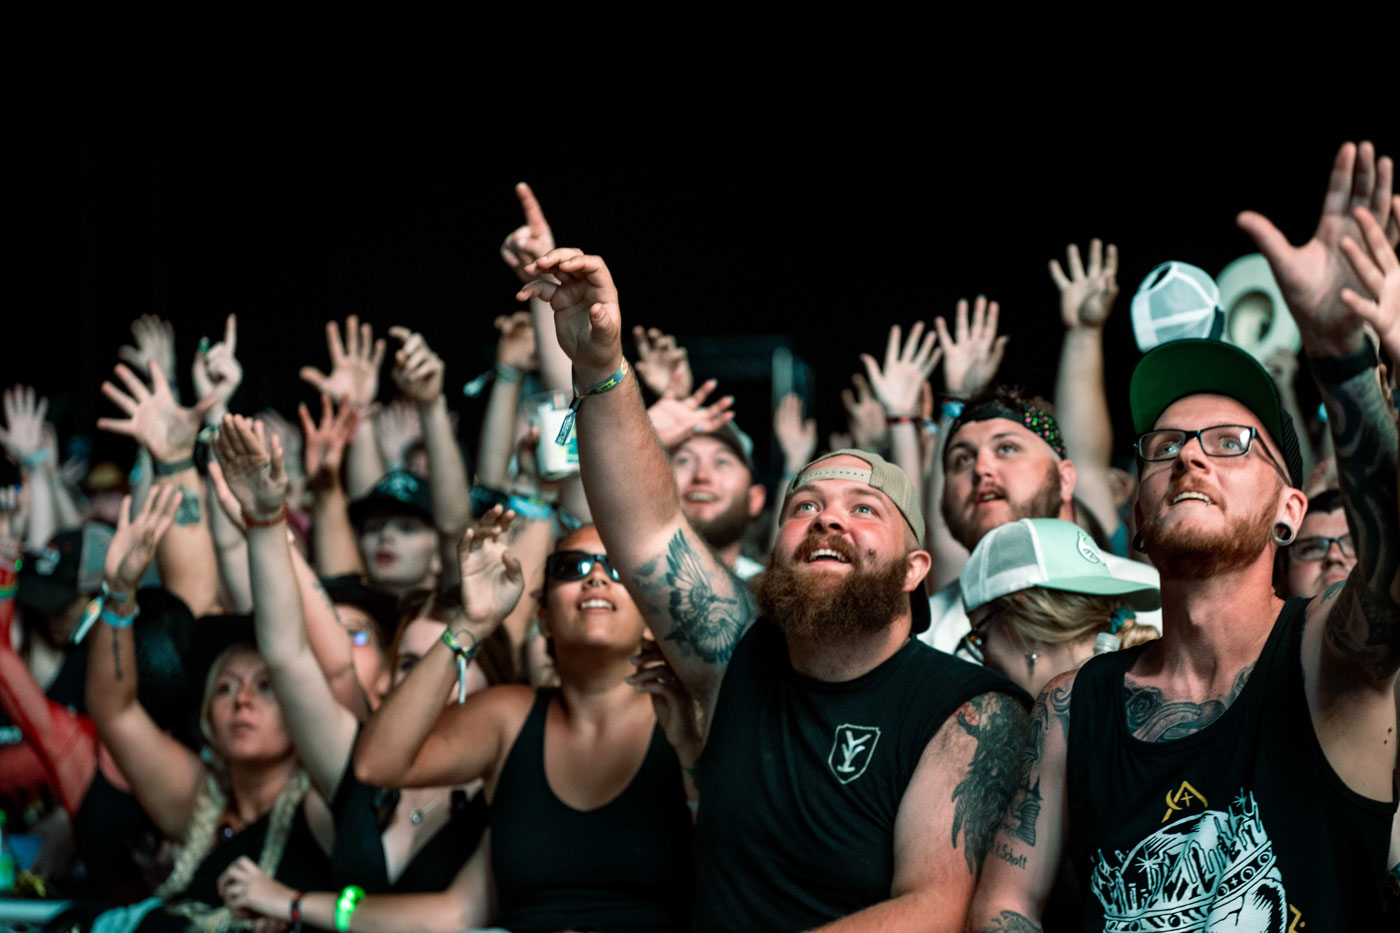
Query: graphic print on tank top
{"x":1203,"y":873}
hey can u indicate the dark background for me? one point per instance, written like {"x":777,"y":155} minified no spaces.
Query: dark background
{"x":292,"y":177}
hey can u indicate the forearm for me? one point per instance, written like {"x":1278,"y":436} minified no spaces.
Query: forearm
{"x":111,"y":674}
{"x":66,"y":510}
{"x":392,"y":738}
{"x":328,"y":639}
{"x":43,"y":512}
{"x":904,"y":450}
{"x":185,"y":556}
{"x":231,"y":549}
{"x":447,"y":474}
{"x":277,"y":607}
{"x":948,"y":555}
{"x":1081,"y":402}
{"x":363,"y":465}
{"x":497,"y":434}
{"x":1366,"y":627}
{"x":556,"y":371}
{"x":436,"y":912}
{"x":332,"y":536}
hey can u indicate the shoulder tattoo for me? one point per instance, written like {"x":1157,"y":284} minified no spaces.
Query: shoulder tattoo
{"x":998,"y":725}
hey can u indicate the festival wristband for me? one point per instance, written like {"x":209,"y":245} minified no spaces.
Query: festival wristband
{"x":35,"y":458}
{"x":170,"y":468}
{"x":294,"y":911}
{"x":530,"y":507}
{"x":345,"y":906}
{"x":463,"y":656}
{"x":952,"y":408}
{"x":508,"y":374}
{"x":607,"y":385}
{"x":277,"y":519}
{"x":1334,"y":370}
{"x":901,"y":419}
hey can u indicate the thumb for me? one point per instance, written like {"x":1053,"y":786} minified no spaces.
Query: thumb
{"x":512,"y":565}
{"x":314,"y":376}
{"x":278,"y":472}
{"x":674,"y":384}
{"x":206,"y":403}
{"x":1270,"y":240}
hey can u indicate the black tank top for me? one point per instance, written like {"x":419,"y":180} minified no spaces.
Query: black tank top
{"x":358,"y":855}
{"x":1241,"y":826}
{"x":801,"y":781}
{"x":623,"y":866}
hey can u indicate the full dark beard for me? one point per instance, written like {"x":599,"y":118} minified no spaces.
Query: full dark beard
{"x":725,"y":528}
{"x":864,"y":602}
{"x":1195,"y":555}
{"x":1044,"y":504}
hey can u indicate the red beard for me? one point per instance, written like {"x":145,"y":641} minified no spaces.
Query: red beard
{"x":862,"y":602}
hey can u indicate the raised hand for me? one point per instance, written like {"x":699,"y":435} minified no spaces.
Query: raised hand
{"x":154,"y":418}
{"x":354,"y":364}
{"x":972,"y":355}
{"x":675,"y":419}
{"x":492,"y":581}
{"x":865,"y":416}
{"x":252,"y":466}
{"x":660,"y":363}
{"x":326,"y":441}
{"x":515,"y":347}
{"x":796,"y":437}
{"x":216,"y":369}
{"x":1378,"y":270}
{"x":417,"y":369}
{"x":1086,"y":296}
{"x":587,"y":317}
{"x":676,"y":712}
{"x":134,"y":543}
{"x":396,"y":426}
{"x":896,"y":385}
{"x":529,"y":241}
{"x":155,"y":340}
{"x":23,"y":432}
{"x":1313,"y":275}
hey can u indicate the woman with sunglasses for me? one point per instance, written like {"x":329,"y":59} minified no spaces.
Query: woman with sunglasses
{"x":590,"y":828}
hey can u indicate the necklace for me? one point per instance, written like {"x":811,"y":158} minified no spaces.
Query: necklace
{"x":415,"y":816}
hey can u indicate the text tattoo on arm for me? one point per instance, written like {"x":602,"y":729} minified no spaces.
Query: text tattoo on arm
{"x":706,"y":623}
{"x":1364,"y":624}
{"x":1024,"y":810}
{"x":998,"y":725}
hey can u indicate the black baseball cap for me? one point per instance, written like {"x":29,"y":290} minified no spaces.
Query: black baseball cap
{"x":1201,"y":366}
{"x":399,"y":492}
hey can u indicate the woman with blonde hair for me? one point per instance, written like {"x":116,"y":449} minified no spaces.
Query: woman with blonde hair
{"x":1042,"y":600}
{"x":247,"y":797}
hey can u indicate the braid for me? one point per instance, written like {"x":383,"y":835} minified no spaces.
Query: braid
{"x":199,"y":839}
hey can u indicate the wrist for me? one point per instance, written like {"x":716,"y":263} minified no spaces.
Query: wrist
{"x":588,"y":375}
{"x":1322,"y":346}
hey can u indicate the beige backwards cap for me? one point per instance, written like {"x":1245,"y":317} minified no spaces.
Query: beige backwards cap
{"x":882,"y":475}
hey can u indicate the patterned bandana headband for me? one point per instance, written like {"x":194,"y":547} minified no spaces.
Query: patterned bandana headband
{"x":1036,"y":420}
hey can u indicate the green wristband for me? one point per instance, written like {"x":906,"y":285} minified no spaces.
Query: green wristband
{"x":349,"y":899}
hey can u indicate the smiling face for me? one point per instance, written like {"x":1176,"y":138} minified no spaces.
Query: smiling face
{"x":717,"y":492}
{"x":1200,"y":516}
{"x":399,"y":551}
{"x":243,"y":718}
{"x":997,"y":471}
{"x":595,"y":613}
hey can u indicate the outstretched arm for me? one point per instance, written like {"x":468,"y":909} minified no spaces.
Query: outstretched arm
{"x":23,"y":438}
{"x":354,"y":379}
{"x":1023,"y":857}
{"x":695,"y":606}
{"x":333,"y":544}
{"x":515,"y":355}
{"x":1081,"y":400}
{"x":897,"y":386}
{"x":418,"y":373}
{"x":527,"y":243}
{"x":943,"y":835}
{"x":322,"y":730}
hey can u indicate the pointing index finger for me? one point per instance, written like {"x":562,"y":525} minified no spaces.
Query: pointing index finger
{"x":534,"y":216}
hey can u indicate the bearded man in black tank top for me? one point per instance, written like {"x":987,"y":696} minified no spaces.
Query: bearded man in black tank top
{"x":852,"y":775}
{"x":1237,"y":774}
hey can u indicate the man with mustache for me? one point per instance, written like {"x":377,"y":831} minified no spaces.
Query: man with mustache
{"x":1237,"y":773}
{"x":850,"y":774}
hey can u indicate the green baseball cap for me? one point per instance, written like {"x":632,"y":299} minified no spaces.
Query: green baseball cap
{"x":1050,"y":553}
{"x":1199,"y":366}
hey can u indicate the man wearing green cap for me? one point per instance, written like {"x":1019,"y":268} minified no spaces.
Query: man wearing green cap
{"x":851,"y":776}
{"x":1237,"y":773}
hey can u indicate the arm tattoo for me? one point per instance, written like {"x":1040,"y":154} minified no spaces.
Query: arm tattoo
{"x":1364,"y":623}
{"x":117,"y":656}
{"x":187,"y":512}
{"x":1154,"y":718}
{"x":998,"y":724}
{"x":1008,"y":921}
{"x":1024,"y":810}
{"x":707,"y":623}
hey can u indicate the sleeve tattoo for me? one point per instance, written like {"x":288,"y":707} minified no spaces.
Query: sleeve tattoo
{"x":1364,"y":623}
{"x":1024,"y":810}
{"x":1008,"y":921}
{"x":998,"y":725}
{"x":706,"y":622}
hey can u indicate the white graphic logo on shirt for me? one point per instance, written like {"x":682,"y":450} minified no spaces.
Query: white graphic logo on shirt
{"x":851,"y":751}
{"x":1210,"y":872}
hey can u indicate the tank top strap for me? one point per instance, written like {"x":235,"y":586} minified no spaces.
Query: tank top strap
{"x":523,"y":770}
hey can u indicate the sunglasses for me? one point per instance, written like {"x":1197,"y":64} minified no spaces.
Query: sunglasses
{"x":565,"y":566}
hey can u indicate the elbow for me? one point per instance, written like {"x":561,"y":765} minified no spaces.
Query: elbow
{"x":372,"y":769}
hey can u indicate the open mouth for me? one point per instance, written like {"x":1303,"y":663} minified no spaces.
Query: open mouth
{"x":1192,"y":494}
{"x":701,"y":497}
{"x":597,"y":603}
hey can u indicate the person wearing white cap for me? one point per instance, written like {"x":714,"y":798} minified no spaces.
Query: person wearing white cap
{"x":1043,"y":600}
{"x":1239,"y":772}
{"x":849,"y":773}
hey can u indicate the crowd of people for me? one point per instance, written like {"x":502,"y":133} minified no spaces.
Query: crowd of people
{"x":959,"y":670}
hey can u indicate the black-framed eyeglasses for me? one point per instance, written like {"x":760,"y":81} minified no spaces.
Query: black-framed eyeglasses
{"x":969,"y":647}
{"x":1221,"y":440}
{"x":564,"y":566}
{"x":1312,"y":549}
